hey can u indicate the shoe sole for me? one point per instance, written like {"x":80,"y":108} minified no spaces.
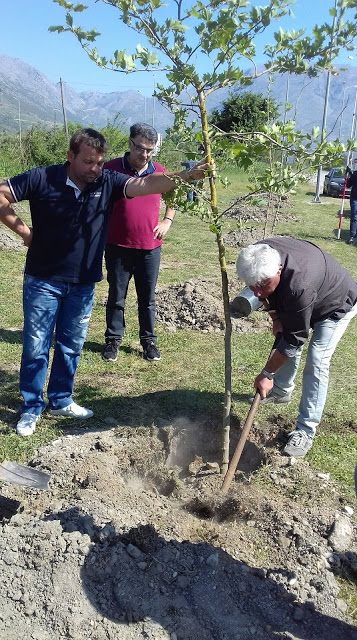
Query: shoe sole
{"x":152,"y":359}
{"x":295,"y":454}
{"x":109,"y":359}
{"x":53,"y":412}
{"x":25,"y":435}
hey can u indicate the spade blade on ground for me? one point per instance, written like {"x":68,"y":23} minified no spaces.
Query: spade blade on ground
{"x":25,"y":476}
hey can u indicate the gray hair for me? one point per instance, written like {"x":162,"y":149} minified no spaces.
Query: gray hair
{"x":144,"y":130}
{"x":257,"y":263}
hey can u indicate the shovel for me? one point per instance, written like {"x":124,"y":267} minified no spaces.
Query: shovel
{"x":25,"y":476}
{"x":242,"y":440}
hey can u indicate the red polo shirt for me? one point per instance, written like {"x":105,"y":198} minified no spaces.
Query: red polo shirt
{"x":132,"y":221}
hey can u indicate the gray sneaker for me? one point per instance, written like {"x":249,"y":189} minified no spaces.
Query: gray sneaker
{"x":298,"y":444}
{"x":111,"y":349}
{"x":274,"y":398}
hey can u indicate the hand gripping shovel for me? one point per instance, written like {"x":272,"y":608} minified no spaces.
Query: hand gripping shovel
{"x":242,"y":440}
{"x":25,"y":476}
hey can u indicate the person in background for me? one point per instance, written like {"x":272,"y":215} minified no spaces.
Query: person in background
{"x":70,"y":206}
{"x":306,"y":289}
{"x":352,"y":184}
{"x":133,"y":247}
{"x":191,"y":195}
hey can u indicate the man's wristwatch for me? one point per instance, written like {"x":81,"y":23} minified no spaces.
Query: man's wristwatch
{"x":268,"y":374}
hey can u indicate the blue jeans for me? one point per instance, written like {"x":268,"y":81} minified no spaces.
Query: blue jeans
{"x":324,"y":340}
{"x":123,"y":263}
{"x":353,"y":219}
{"x":48,"y":304}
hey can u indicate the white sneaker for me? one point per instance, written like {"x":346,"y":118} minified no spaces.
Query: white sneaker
{"x":72,"y":410}
{"x":27,"y":424}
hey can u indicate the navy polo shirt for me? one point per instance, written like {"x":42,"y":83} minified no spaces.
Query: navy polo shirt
{"x":68,"y":233}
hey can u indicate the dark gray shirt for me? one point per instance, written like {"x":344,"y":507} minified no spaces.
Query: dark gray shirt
{"x":313,"y":286}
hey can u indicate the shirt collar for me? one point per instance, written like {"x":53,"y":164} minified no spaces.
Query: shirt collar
{"x":77,"y":191}
{"x":150,"y":168}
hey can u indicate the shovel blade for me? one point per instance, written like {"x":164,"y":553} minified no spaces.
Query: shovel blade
{"x":25,"y":476}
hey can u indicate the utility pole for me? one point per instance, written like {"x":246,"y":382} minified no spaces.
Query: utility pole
{"x":324,"y":118}
{"x":19,"y":121}
{"x":55,"y":118}
{"x":153,"y":105}
{"x":64,"y":110}
{"x":144,"y":103}
{"x":349,"y":154}
{"x":343,"y":106}
{"x":20,"y":127}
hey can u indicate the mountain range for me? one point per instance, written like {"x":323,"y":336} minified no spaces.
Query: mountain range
{"x":28,"y":97}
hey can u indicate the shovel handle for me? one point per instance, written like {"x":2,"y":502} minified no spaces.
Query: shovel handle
{"x":248,"y":423}
{"x":242,"y":440}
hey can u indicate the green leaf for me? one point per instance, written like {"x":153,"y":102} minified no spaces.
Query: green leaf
{"x":79,"y":7}
{"x":58,"y":28}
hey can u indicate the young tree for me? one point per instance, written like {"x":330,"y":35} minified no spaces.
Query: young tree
{"x":202,"y":46}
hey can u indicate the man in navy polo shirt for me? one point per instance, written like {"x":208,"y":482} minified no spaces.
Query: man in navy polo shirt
{"x":70,"y":206}
{"x":134,"y":247}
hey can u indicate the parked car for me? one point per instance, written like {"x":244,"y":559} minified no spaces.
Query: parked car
{"x":333,"y":183}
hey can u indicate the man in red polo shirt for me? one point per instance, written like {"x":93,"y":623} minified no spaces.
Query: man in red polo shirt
{"x":134,"y":247}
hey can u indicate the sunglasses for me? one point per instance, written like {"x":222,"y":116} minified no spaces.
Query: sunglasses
{"x":142,"y":149}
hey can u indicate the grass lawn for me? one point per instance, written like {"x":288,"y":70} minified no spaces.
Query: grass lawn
{"x":189,"y":379}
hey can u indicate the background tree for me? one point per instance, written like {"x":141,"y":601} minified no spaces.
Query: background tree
{"x":244,"y":112}
{"x":217,"y":37}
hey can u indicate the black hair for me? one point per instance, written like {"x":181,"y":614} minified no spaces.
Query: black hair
{"x":144,"y":130}
{"x":90,"y":137}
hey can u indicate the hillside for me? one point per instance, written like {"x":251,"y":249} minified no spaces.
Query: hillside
{"x":26,"y":90}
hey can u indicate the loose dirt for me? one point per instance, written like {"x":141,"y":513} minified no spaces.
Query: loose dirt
{"x":134,"y":540}
{"x":248,"y":215}
{"x":198,"y":305}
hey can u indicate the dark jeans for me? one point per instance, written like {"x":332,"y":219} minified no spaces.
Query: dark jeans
{"x":122,"y":263}
{"x":353,"y":221}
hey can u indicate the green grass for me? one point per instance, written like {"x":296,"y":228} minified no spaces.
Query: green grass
{"x":189,"y":379}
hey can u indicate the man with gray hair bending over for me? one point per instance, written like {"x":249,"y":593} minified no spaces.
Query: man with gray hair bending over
{"x":305,"y":289}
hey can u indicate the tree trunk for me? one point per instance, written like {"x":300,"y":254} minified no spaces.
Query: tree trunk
{"x":227,"y":359}
{"x":225,"y":293}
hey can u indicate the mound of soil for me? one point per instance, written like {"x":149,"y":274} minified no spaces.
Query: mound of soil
{"x":198,"y":305}
{"x":257,"y":212}
{"x":134,"y":541}
{"x":242,"y":238}
{"x":247,"y":213}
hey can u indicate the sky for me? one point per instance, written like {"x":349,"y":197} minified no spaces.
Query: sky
{"x":25,"y":35}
